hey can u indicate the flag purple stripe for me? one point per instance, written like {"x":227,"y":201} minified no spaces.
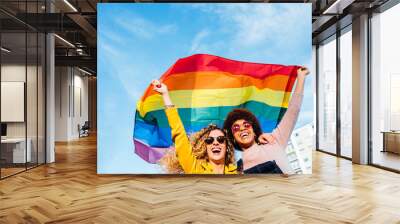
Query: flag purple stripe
{"x":149,"y":154}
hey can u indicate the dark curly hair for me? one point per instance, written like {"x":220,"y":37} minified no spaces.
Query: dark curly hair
{"x":241,"y":114}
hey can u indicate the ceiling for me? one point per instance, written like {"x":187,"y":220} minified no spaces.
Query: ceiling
{"x":75,"y":22}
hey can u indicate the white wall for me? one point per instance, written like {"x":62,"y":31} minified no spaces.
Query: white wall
{"x":80,"y":110}
{"x":71,"y":94}
{"x":12,"y":73}
{"x":61,"y":103}
{"x":33,"y":127}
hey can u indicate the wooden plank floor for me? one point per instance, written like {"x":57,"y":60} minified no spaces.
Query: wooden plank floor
{"x":70,"y":191}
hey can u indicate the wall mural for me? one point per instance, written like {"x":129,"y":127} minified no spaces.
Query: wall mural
{"x":204,"y":89}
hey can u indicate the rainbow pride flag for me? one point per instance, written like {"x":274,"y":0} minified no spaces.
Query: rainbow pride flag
{"x":205,"y":88}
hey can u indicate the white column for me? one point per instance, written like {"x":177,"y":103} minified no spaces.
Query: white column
{"x":50,"y":92}
{"x":50,"y":100}
{"x":360,"y":90}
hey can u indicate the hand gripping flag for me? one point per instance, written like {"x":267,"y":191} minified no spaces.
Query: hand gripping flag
{"x":205,"y":88}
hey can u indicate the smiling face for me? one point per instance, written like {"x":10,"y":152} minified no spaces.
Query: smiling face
{"x":243,"y":133}
{"x":216,"y":146}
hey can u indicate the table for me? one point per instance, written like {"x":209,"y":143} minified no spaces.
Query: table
{"x":16,"y":147}
{"x":391,"y":141}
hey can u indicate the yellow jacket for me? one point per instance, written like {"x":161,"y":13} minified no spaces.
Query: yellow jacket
{"x":183,"y":147}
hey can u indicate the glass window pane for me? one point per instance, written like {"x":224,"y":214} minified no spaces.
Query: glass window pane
{"x":22,"y":89}
{"x":32,"y":95}
{"x":41,"y":98}
{"x":385,"y":86}
{"x":13,"y":87}
{"x":346,"y":94}
{"x":32,"y":86}
{"x":327,"y":96}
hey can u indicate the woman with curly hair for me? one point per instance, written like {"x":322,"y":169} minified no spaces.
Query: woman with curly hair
{"x":206,"y":157}
{"x":208,"y":152}
{"x":244,"y":129}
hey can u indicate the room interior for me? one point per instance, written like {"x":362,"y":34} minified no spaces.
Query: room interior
{"x":49,"y":91}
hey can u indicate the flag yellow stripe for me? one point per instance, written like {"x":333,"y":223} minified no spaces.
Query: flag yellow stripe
{"x":216,"y":98}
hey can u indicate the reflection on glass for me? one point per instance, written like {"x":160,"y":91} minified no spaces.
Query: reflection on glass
{"x":13,"y":86}
{"x":346,"y":94}
{"x":385,"y":86}
{"x":31,"y":101}
{"x":327,"y":97}
{"x":22,"y":90}
{"x":41,"y":98}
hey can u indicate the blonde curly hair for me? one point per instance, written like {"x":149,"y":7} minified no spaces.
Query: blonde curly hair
{"x":170,"y":163}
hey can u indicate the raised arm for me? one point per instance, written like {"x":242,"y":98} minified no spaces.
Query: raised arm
{"x":286,"y":125}
{"x":182,"y":144}
{"x":163,"y":90}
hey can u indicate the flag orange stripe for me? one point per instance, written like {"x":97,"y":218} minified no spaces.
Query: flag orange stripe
{"x":222,"y":80}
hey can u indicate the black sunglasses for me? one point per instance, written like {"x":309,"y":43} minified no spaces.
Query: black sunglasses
{"x":210,"y":140}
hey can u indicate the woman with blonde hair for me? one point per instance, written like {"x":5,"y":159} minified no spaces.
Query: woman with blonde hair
{"x":208,"y":151}
{"x":203,"y":161}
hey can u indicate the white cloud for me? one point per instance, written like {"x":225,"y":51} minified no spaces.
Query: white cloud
{"x":171,"y":28}
{"x":143,"y":28}
{"x":119,"y":65}
{"x":128,"y":77}
{"x":258,"y":23}
{"x":108,"y":49}
{"x":198,"y":43}
{"x":254,"y":25}
{"x":111,"y":36}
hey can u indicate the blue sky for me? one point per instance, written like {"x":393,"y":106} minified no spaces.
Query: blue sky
{"x":139,"y":42}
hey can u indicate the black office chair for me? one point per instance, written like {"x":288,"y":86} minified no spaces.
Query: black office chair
{"x":84,"y":130}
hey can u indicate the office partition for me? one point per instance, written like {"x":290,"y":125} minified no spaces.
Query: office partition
{"x":22,"y":78}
